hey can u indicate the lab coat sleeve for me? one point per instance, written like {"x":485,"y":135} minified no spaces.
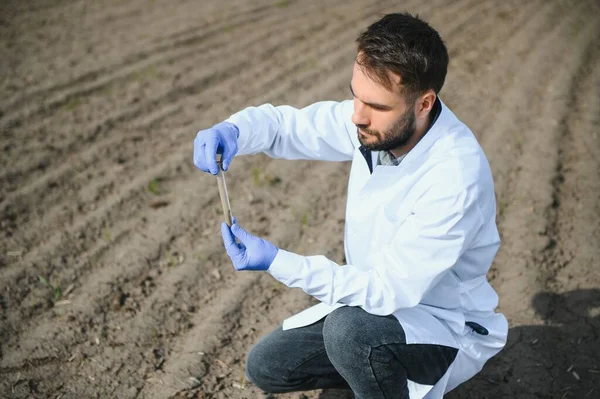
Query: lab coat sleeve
{"x":321,"y":131}
{"x":426,"y":245}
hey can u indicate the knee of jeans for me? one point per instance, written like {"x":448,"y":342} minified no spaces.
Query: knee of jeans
{"x":340,"y":333}
{"x":256,"y":372}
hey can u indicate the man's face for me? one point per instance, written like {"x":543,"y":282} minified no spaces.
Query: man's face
{"x":384,"y":119}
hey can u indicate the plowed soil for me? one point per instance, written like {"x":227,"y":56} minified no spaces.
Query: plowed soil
{"x":113,"y":278}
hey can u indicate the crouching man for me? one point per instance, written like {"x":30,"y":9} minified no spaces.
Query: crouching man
{"x":411,"y":314}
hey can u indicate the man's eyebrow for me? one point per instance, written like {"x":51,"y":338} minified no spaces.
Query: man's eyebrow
{"x":372,"y":105}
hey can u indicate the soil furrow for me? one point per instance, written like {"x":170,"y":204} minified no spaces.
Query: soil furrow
{"x":520,"y":196}
{"x":152,"y":309}
{"x":236,"y":349}
{"x":300,"y":204}
{"x":568,"y":268}
{"x":236,"y":362}
{"x":227,"y":21}
{"x":473,"y":67}
{"x":323,"y":87}
{"x":260,"y":313}
{"x":101,"y":129}
{"x":497,"y":144}
{"x":496,"y":73}
{"x":570,"y":148}
{"x":310,"y":73}
{"x":167,"y":53}
{"x":531,"y":229}
{"x":18,"y":6}
{"x":326,"y":86}
{"x":53,"y":184}
{"x":214,"y":247}
{"x":52,"y":149}
{"x":209,"y":336}
{"x":578,"y":213}
{"x":166,"y":88}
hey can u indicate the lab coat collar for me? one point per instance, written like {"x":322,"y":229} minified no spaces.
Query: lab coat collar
{"x":435,"y":131}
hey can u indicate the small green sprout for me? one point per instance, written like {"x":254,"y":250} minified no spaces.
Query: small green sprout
{"x":55,"y":289}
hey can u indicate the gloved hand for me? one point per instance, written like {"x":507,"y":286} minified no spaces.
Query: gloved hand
{"x":220,"y":139}
{"x":253,"y":253}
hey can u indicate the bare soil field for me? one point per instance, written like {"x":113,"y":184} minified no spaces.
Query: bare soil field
{"x":113,"y":278}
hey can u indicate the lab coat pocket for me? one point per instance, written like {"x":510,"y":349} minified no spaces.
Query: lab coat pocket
{"x":396,"y":215}
{"x":390,"y":219}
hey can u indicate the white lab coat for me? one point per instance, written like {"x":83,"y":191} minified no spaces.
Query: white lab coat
{"x":419,"y":237}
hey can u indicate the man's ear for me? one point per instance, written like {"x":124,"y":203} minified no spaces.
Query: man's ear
{"x":425,"y":104}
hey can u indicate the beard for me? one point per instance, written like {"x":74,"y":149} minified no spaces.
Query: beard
{"x":396,"y":136}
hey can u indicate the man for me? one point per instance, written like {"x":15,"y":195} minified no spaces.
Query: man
{"x":411,"y":314}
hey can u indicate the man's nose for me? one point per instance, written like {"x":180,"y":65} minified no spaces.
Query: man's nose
{"x":360,"y":117}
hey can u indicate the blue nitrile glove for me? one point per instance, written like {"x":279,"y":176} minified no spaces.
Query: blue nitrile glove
{"x":222,"y":138}
{"x":252,"y":253}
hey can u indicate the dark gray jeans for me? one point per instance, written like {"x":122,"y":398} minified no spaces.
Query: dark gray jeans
{"x":349,"y":349}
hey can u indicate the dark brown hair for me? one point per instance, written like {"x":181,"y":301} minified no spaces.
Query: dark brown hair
{"x":407,"y":46}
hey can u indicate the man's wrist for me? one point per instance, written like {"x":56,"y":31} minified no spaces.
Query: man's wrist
{"x":286,"y":266}
{"x":235,"y":129}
